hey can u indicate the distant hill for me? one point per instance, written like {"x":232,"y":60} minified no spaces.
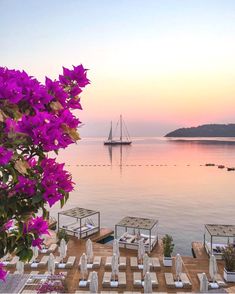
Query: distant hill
{"x":212,"y":130}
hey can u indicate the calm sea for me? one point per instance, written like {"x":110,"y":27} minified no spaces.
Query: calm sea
{"x":156,"y":178}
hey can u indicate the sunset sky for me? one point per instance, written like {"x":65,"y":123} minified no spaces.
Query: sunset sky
{"x":162,"y":64}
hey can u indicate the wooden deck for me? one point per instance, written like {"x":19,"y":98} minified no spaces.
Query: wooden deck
{"x":191,"y":266}
{"x":199,"y":250}
{"x":102,"y":234}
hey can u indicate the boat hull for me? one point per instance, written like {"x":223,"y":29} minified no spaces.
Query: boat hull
{"x":117,"y":143}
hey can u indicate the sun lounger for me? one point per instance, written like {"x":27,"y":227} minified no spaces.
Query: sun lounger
{"x":155,"y":263}
{"x":106,"y":279}
{"x":43,"y":261}
{"x":154,"y":279}
{"x":134,"y":262}
{"x":108,"y":262}
{"x":122,"y":262}
{"x":137,"y":280}
{"x":96,"y":262}
{"x":220,"y":281}
{"x":89,"y":277}
{"x":170,"y":283}
{"x":122,"y":279}
{"x":52,"y":248}
{"x":70,"y":262}
{"x":185,"y":280}
{"x":49,"y":250}
{"x":58,"y":263}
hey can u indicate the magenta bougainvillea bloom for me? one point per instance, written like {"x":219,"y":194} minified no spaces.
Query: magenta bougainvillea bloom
{"x":8,"y":225}
{"x":55,"y":179}
{"x":3,"y":273}
{"x":5,"y":155}
{"x":37,"y":225}
{"x":37,"y":243}
{"x":36,"y":119}
{"x":25,"y":186}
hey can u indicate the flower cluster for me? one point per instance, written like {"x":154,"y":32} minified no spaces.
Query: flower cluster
{"x":51,"y":285}
{"x":56,"y":181}
{"x":35,"y":119}
{"x":5,"y":155}
{"x":3,"y":273}
{"x":36,"y":225}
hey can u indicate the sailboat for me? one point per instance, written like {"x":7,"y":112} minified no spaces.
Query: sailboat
{"x":121,"y":141}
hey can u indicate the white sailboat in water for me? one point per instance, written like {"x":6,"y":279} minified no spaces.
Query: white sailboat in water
{"x":123,"y":131}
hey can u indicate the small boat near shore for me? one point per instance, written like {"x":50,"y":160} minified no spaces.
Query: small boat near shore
{"x":221,"y":166}
{"x":123,"y":131}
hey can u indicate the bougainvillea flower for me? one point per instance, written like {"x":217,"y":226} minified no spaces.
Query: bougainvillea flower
{"x":37,"y":225}
{"x":11,"y":126}
{"x":3,"y":273}
{"x":35,"y":118}
{"x":5,"y":155}
{"x":8,"y":225}
{"x":37,"y":243}
{"x":52,"y":196}
{"x":25,"y":186}
{"x":69,"y":119}
{"x":55,"y":90}
{"x":55,"y":179}
{"x":78,"y":74}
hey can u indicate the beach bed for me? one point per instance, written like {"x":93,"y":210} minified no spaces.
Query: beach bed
{"x":170,"y":282}
{"x":106,"y":282}
{"x":122,"y":262}
{"x":134,"y":262}
{"x":219,"y":280}
{"x":138,"y":282}
{"x":47,"y":250}
{"x":95,"y":264}
{"x":155,"y":263}
{"x":67,"y":265}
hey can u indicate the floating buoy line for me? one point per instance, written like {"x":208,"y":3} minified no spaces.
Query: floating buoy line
{"x":220,"y":166}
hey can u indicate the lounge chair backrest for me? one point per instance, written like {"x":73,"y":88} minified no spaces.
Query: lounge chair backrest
{"x":185,"y":280}
{"x":96,"y":261}
{"x":134,"y":262}
{"x":108,"y":261}
{"x":43,"y":261}
{"x":52,"y":248}
{"x":122,"y":279}
{"x":170,"y":283}
{"x":70,"y":262}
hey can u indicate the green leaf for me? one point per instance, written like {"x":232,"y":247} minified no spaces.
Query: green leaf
{"x":5,"y":177}
{"x":37,"y":198}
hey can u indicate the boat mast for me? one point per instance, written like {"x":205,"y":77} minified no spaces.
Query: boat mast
{"x":110,"y":138}
{"x":121,"y":128}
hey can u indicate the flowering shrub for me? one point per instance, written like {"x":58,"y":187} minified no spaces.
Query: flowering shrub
{"x":35,"y":118}
{"x":53,"y":283}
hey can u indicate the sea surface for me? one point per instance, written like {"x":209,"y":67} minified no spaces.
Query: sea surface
{"x":156,"y":178}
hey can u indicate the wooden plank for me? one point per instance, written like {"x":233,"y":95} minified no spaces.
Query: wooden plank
{"x":199,"y":250}
{"x":102,"y":234}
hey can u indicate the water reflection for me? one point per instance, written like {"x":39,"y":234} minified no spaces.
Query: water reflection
{"x":159,"y":179}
